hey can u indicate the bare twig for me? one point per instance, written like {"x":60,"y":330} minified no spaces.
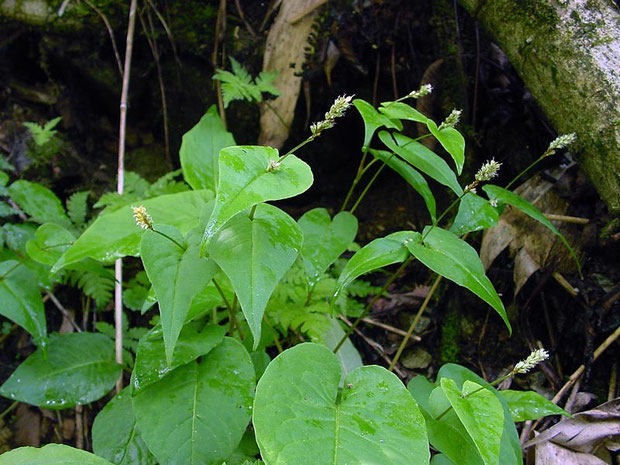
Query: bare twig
{"x":20,"y":213}
{"x":64,"y":311}
{"x":108,"y":26}
{"x":565,"y":284}
{"x":242,"y":16}
{"x":567,"y":219}
{"x":118,"y":265}
{"x":273,"y":6}
{"x":613,"y":380}
{"x":220,"y":30}
{"x":167,"y":29}
{"x":389,"y":328}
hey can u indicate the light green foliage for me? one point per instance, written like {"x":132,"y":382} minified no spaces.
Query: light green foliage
{"x":372,"y":420}
{"x":529,"y":405}
{"x":52,"y":454}
{"x":79,"y":368}
{"x":474,"y":214}
{"x":39,"y":202}
{"x":238,"y":85}
{"x":43,"y":134}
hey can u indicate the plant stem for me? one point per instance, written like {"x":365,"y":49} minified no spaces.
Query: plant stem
{"x":373,"y":301}
{"x":297,"y":147}
{"x":9,"y":409}
{"x":169,"y":238}
{"x":358,"y":176}
{"x":233,"y":323}
{"x":530,"y":166}
{"x":415,"y":322}
{"x":372,"y":180}
{"x":118,"y":265}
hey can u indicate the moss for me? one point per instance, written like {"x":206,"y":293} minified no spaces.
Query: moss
{"x":450,"y":337}
{"x":538,"y":11}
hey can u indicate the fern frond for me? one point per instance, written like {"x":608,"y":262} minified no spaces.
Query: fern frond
{"x":77,"y":208}
{"x":238,"y":85}
{"x":96,"y":286}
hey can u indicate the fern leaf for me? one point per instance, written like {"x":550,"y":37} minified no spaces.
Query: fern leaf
{"x":77,"y":207}
{"x":94,"y":285}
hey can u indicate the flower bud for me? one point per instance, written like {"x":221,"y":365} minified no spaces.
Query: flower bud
{"x":143,"y":219}
{"x":421,"y":92}
{"x":539,"y":355}
{"x":452,"y":120}
{"x":488,"y":171}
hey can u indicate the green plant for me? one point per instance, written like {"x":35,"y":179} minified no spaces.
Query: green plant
{"x":45,"y":145}
{"x":233,"y":274}
{"x":238,"y":84}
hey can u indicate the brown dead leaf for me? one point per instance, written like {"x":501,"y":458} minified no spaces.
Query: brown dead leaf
{"x":586,"y":431}
{"x":549,"y":453}
{"x":532,"y":244}
{"x":27,"y":426}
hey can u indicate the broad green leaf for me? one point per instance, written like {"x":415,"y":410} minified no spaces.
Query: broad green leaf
{"x":324,"y":239}
{"x":475,"y":213}
{"x":529,"y":405}
{"x":413,"y":178}
{"x":447,"y":435}
{"x":52,"y":454}
{"x":115,"y":235}
{"x":39,"y":202}
{"x":423,"y":159}
{"x":498,"y":194}
{"x":200,"y":150}
{"x":348,"y":356}
{"x":442,"y":459}
{"x":255,"y":254}
{"x":452,"y":141}
{"x":177,"y":276}
{"x":199,"y":412}
{"x":510,"y":452}
{"x":482,"y":415}
{"x":301,"y":417}
{"x":20,"y":299}
{"x":454,"y":259}
{"x":151,"y":363}
{"x":400,"y":110}
{"x":79,"y":369}
{"x":377,"y":254}
{"x":50,"y":241}
{"x":246,"y":179}
{"x":374,"y":120}
{"x":116,"y":436}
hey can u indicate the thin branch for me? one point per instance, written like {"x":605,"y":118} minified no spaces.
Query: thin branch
{"x":64,"y":311}
{"x":242,"y":16}
{"x":108,"y":26}
{"x":118,"y":265}
{"x":167,"y":29}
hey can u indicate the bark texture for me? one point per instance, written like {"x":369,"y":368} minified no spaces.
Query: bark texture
{"x":568,"y":54}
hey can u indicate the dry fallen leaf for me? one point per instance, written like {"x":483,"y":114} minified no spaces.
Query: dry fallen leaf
{"x":549,"y":453}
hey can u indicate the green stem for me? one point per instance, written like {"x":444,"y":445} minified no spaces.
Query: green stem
{"x":169,"y":238}
{"x":373,"y":301}
{"x":372,"y":180}
{"x":297,"y":147}
{"x":531,"y":165}
{"x":488,"y":385}
{"x":252,"y":212}
{"x":358,"y":175}
{"x":9,"y":409}
{"x":232,"y":320}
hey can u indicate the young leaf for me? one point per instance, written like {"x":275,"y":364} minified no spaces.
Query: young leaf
{"x":377,"y":254}
{"x":374,"y":120}
{"x":151,"y":363}
{"x":52,"y":454}
{"x":498,"y":194}
{"x":177,"y":276}
{"x":20,"y":299}
{"x":529,"y":405}
{"x":39,"y":202}
{"x":79,"y":368}
{"x":481,"y":414}
{"x":255,"y":254}
{"x":452,"y":141}
{"x":200,"y":150}
{"x":199,"y":412}
{"x":115,"y":235}
{"x":400,"y":110}
{"x":116,"y":436}
{"x":475,"y":213}
{"x":409,"y":174}
{"x":301,"y":418}
{"x":423,"y":159}
{"x":348,"y":356}
{"x":324,"y":239}
{"x":456,"y":260}
{"x":50,"y":242}
{"x":247,"y":180}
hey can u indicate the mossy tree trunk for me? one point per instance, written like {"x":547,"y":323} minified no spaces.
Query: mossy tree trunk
{"x":568,"y":54}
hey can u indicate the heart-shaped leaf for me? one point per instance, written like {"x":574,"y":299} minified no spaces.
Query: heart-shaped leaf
{"x":116,"y":436}
{"x":301,"y":418}
{"x":20,"y":298}
{"x":374,"y":120}
{"x":377,"y":254}
{"x":52,"y":454}
{"x":151,"y":364}
{"x":115,"y":235}
{"x":413,"y":178}
{"x":529,"y":405}
{"x":177,"y":275}
{"x":79,"y":368}
{"x":250,"y":175}
{"x":324,"y":239}
{"x":255,"y":254}
{"x":199,"y":412}
{"x":423,"y":159}
{"x":454,"y":259}
{"x":200,"y":150}
{"x":482,"y":415}
{"x":475,"y":213}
